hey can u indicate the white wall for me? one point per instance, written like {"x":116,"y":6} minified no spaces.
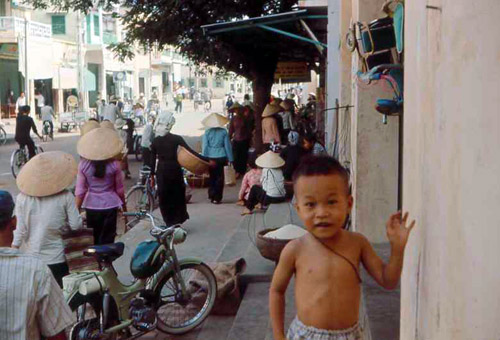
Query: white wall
{"x":451,"y":281}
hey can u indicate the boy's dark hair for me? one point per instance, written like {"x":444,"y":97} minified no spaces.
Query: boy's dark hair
{"x":320,"y":166}
{"x":26,"y":109}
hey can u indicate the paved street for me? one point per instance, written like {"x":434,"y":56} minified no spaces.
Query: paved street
{"x":188,"y":124}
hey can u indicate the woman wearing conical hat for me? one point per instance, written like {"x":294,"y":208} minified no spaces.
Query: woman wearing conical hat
{"x":272,"y":180}
{"x":171,"y":188}
{"x":99,"y":183}
{"x":270,"y":130}
{"x":217,"y":147}
{"x":44,"y":206}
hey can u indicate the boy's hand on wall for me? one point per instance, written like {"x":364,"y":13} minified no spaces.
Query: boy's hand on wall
{"x":397,"y":230}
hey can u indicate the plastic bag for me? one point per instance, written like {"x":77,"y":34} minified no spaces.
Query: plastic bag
{"x":229,"y":175}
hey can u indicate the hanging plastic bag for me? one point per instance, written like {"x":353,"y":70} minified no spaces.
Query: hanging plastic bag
{"x":229,"y":175}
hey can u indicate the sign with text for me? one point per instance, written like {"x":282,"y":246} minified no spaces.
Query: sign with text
{"x":292,"y":72}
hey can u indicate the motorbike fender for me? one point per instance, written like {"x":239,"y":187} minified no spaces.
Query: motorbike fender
{"x":168,"y":268}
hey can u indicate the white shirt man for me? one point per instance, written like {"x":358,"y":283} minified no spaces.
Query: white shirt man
{"x":21,"y":101}
{"x":32,"y":305}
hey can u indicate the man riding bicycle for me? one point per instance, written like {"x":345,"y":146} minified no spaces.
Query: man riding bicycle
{"x":24,"y":124}
{"x":47,"y":114}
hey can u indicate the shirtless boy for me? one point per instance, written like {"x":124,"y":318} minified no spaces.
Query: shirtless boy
{"x":326,"y":260}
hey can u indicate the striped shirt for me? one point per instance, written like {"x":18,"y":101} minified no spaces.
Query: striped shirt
{"x":32,"y":303}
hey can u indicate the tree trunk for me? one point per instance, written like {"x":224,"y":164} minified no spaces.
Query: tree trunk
{"x":262,"y":84}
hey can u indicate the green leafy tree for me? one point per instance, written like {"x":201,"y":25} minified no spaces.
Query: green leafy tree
{"x":178,"y":23}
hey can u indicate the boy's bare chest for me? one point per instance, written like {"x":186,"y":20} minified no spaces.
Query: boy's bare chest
{"x":323,"y":264}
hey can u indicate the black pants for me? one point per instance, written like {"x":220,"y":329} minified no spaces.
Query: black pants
{"x":59,"y":270}
{"x":258,"y":195}
{"x":240,"y":150}
{"x":146,"y":157}
{"x":104,"y":224}
{"x":178,"y":107}
{"x":284,"y":136}
{"x":29,"y":143}
{"x":216,"y":181}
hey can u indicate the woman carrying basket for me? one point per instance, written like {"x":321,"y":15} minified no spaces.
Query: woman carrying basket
{"x":171,"y":187}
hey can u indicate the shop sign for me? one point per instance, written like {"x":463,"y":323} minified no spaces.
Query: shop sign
{"x":10,"y":50}
{"x":292,"y":72}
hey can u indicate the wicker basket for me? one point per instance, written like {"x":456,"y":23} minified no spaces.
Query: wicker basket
{"x":268,"y":247}
{"x":198,"y":181}
{"x":191,"y":162}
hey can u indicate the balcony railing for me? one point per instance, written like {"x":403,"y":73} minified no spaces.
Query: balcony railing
{"x":13,"y":26}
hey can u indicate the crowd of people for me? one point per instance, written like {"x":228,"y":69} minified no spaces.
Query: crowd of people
{"x":290,"y":163}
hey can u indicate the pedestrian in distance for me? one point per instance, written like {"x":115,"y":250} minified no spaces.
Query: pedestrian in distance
{"x":270,"y":130}
{"x":240,"y":134}
{"x":146,"y":142}
{"x":20,"y":102}
{"x":111,"y":112}
{"x":24,"y":125}
{"x":287,"y":115}
{"x":169,"y":174}
{"x":33,"y":305}
{"x":44,"y":206}
{"x":48,"y":115}
{"x":178,"y":101}
{"x":99,"y":182}
{"x":272,"y":188}
{"x":217,"y":147}
{"x":40,"y":102}
{"x":326,"y":261}
{"x":119,"y":125}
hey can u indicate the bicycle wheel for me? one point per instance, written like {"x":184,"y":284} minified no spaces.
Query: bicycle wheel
{"x":179,"y":314}
{"x":138,"y":148}
{"x":3,"y":136}
{"x":139,"y":199}
{"x":17,"y":161}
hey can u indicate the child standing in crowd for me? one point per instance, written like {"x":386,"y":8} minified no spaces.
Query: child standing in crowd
{"x":326,"y":260}
{"x":250,"y":179}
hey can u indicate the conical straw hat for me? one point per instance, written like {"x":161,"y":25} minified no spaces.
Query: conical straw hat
{"x":270,"y":160}
{"x":47,"y":174}
{"x":88,"y":126}
{"x":270,"y":110}
{"x":235,"y":106}
{"x":107,"y":124}
{"x":120,"y":123}
{"x":214,"y":120}
{"x":100,"y":144}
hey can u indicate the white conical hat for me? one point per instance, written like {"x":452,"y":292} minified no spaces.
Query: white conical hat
{"x":270,"y":110}
{"x":100,"y":144}
{"x":88,"y":126}
{"x":47,"y":174}
{"x":270,"y":160}
{"x":214,"y":120}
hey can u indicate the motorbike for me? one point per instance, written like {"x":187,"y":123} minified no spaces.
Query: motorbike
{"x":169,"y":294}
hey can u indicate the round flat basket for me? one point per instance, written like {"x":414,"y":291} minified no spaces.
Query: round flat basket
{"x":191,"y":162}
{"x":270,"y":248}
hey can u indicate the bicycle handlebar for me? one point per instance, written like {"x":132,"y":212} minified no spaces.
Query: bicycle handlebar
{"x":156,"y":231}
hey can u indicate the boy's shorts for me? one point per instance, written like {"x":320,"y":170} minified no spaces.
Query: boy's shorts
{"x":299,"y":331}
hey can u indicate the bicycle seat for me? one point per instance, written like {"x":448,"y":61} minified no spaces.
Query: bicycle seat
{"x":105,"y":252}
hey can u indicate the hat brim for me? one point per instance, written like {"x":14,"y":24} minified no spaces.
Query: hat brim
{"x":214,"y":120}
{"x":47,"y":174}
{"x":100,"y":144}
{"x":270,"y":160}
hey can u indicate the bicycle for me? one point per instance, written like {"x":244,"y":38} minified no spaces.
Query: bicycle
{"x":20,"y":157}
{"x":46,"y":131}
{"x":171,"y":295}
{"x":142,"y":196}
{"x":3,"y":134}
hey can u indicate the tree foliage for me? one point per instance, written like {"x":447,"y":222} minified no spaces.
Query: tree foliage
{"x":178,"y":23}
